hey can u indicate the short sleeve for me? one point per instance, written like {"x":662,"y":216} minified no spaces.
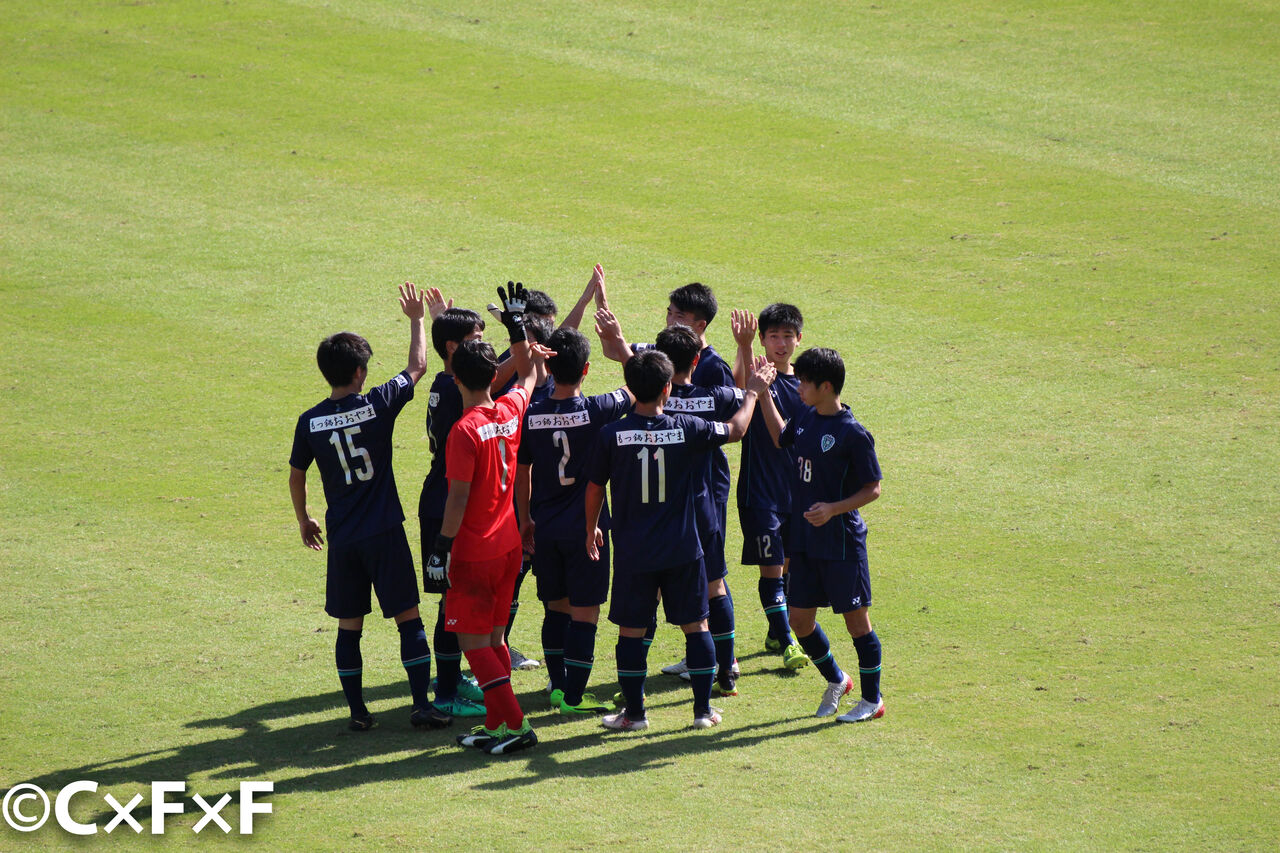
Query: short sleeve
{"x":704,"y":435}
{"x":728,"y":401}
{"x":391,"y":396}
{"x":460,"y":454}
{"x":599,"y":464}
{"x":788,"y":436}
{"x":301,"y":456}
{"x":524,"y":456}
{"x":864,"y":467}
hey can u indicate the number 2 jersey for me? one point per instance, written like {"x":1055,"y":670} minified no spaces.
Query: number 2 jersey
{"x":350,"y":441}
{"x":654,"y":465}
{"x":835,"y":456}
{"x":559,"y":436}
{"x":481,"y":450}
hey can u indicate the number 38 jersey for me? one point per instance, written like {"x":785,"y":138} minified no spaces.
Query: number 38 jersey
{"x":350,"y":441}
{"x":558,"y":439}
{"x":654,"y":466}
{"x":834,"y":456}
{"x":481,"y":450}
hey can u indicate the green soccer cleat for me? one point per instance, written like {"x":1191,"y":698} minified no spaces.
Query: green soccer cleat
{"x":556,"y":699}
{"x":772,"y":645}
{"x":509,"y":741}
{"x":480,"y":737}
{"x":588,"y":705}
{"x":794,"y":658}
{"x":467,"y":688}
{"x":730,"y":689}
{"x":460,"y":707}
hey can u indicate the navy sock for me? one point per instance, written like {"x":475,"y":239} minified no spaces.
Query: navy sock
{"x":700,"y":655}
{"x":525,"y":566}
{"x":415,"y":654}
{"x":346,"y":653}
{"x":774,"y":601}
{"x":579,"y":657}
{"x":721,"y":623}
{"x":554,"y":627}
{"x":650,"y":632}
{"x":448,"y":660}
{"x":818,"y":649}
{"x":868,"y":648}
{"x":633,"y":654}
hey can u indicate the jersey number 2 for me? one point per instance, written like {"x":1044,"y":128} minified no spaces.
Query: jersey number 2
{"x":560,"y":439}
{"x":365,"y":471}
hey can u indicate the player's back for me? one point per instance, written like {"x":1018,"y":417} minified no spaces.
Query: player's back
{"x":444,"y":407}
{"x":350,"y":441}
{"x":558,"y":438}
{"x":716,"y":403}
{"x":653,"y":464}
{"x":766,"y":472}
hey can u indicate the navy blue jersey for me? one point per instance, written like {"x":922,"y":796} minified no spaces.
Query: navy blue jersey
{"x":711,"y":404}
{"x":350,"y":441}
{"x":559,"y":436}
{"x":541,"y":392}
{"x":652,"y":465}
{"x":711,"y":371}
{"x":835,"y":456}
{"x":764,"y":480}
{"x":444,"y":407}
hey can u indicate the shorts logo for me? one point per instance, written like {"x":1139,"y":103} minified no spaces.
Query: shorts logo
{"x":828,"y":442}
{"x":856,"y":601}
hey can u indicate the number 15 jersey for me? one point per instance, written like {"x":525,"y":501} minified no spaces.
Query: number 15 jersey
{"x":350,"y":441}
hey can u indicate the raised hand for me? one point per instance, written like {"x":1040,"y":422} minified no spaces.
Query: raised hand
{"x":762,"y":375}
{"x":436,"y":304}
{"x":607,"y":325}
{"x":597,"y":281}
{"x":743,"y":326}
{"x":514,"y":300}
{"x":412,"y":301}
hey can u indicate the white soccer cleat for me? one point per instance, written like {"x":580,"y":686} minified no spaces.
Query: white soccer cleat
{"x":864,"y":711}
{"x":680,"y":667}
{"x":619,"y":722}
{"x":832,"y":695}
{"x":519,"y":661}
{"x":706,"y":721}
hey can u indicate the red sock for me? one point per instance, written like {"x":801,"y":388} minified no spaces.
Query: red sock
{"x":504,"y":656}
{"x":500,"y":703}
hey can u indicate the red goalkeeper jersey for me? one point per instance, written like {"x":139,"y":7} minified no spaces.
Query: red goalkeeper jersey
{"x":482,"y":450}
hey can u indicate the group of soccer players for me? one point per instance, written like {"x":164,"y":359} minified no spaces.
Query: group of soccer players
{"x":619,"y":497}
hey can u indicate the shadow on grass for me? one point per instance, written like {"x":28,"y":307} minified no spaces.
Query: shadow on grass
{"x":324,"y":756}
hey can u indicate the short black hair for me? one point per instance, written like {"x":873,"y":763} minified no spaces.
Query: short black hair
{"x":340,"y":355}
{"x":453,"y":325}
{"x":539,"y":303}
{"x":680,"y":344}
{"x":820,"y":365}
{"x":538,"y":328}
{"x":475,"y":364}
{"x":573,"y":350}
{"x":780,"y":315}
{"x":647,"y":373}
{"x":696,"y":299}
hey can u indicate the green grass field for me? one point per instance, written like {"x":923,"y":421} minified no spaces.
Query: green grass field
{"x":1045,"y":236}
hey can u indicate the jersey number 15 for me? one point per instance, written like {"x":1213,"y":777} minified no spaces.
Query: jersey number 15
{"x":365,"y":471}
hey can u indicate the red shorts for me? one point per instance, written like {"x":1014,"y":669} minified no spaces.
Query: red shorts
{"x":479,"y":597}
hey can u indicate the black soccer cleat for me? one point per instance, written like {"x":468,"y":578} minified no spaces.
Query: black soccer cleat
{"x":430,"y":717}
{"x":362,"y":723}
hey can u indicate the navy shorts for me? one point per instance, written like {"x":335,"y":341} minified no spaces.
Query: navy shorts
{"x":844,"y":585}
{"x":382,"y":562}
{"x":564,"y":570}
{"x":764,"y":534}
{"x":635,"y":596}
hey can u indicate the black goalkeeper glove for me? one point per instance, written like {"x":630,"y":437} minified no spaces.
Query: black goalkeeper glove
{"x":437,"y":568}
{"x":514,"y":299}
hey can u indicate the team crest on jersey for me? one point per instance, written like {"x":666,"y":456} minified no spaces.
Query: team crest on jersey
{"x":828,"y":442}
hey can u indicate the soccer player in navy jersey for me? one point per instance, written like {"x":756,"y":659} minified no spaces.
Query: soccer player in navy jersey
{"x":456,"y":695}
{"x":348,"y":436}
{"x":540,"y":319}
{"x":718,"y":403}
{"x":764,"y":478}
{"x":834,"y":473}
{"x":652,"y":462}
{"x":559,"y":435}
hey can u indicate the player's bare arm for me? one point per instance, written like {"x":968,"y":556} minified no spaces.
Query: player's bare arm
{"x":413,"y":304}
{"x":773,"y":420}
{"x":743,"y":325}
{"x":612,"y":343}
{"x":523,"y":492}
{"x":758,"y":384}
{"x":592,"y":292}
{"x":595,"y":537}
{"x":308,"y":527}
{"x":820,"y":512}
